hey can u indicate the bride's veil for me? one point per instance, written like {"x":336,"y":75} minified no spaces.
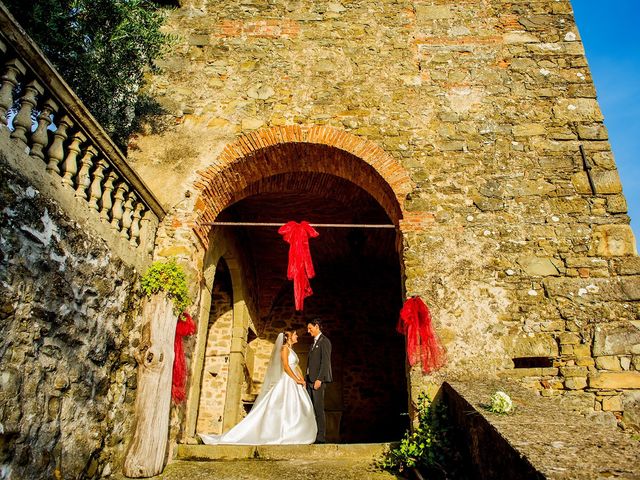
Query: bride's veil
{"x":274,"y":369}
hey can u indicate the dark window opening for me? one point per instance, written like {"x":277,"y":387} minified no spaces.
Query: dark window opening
{"x":533,"y":362}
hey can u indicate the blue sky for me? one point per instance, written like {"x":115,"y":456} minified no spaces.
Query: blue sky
{"x":611,"y":38}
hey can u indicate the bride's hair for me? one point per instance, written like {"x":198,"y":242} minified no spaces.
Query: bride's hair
{"x":287,"y":335}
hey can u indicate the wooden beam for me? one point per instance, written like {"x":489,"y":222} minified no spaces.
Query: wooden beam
{"x":322,"y":225}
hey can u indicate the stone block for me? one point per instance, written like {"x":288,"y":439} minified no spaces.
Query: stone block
{"x":615,"y":380}
{"x":612,"y":404}
{"x":577,"y":110}
{"x":595,"y":131}
{"x":519,"y":37}
{"x":616,"y":204}
{"x":613,"y":240}
{"x":631,"y":407}
{"x":538,"y":266}
{"x":538,"y":345}
{"x":627,"y":266}
{"x":587,"y":262}
{"x":615,"y":339}
{"x":433,"y":12}
{"x":575,"y":383}
{"x":606,"y":181}
{"x":582,"y":350}
{"x":630,"y":287}
{"x":608,"y":363}
{"x":574,"y":371}
{"x":580,"y":182}
{"x":251,"y":123}
{"x":528,"y":130}
{"x":569,"y":338}
{"x":585,"y":361}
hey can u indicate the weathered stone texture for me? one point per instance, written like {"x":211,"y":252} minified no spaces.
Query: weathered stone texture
{"x":513,"y":222}
{"x":67,"y":379}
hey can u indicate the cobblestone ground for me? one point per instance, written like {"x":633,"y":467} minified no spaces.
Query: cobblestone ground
{"x":296,"y":469}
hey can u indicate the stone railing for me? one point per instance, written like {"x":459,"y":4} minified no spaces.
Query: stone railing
{"x":40,"y":114}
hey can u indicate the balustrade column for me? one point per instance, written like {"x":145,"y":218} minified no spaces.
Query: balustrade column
{"x":70,"y":166}
{"x":148,"y":224}
{"x":106,"y":200}
{"x":56,"y":150}
{"x":40,"y":138}
{"x":127,"y":216}
{"x":12,"y":69}
{"x":95,"y":191}
{"x":135,"y":224}
{"x":22,"y":122}
{"x":83,"y":176}
{"x":118,"y":210}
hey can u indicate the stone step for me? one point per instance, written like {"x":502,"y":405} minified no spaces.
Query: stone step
{"x":359,"y":451}
{"x":292,"y":469}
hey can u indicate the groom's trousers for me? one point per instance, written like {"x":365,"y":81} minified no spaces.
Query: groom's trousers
{"x":317,"y":398}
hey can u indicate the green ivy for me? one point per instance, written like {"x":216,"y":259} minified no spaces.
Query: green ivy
{"x":426,"y":448}
{"x":170,"y":278}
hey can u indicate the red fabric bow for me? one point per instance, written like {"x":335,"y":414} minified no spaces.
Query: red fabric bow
{"x":184,"y":328}
{"x":415,"y":324}
{"x":300,"y":268}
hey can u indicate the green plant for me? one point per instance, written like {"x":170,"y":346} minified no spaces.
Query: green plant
{"x":102,"y":48}
{"x":427,"y":447}
{"x":170,"y":278}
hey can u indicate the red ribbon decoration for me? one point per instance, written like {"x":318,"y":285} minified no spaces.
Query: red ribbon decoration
{"x":300,"y":268}
{"x":415,"y":324}
{"x":184,"y":328}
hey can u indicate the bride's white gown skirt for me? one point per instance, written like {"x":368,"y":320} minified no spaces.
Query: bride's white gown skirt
{"x":284,"y":416}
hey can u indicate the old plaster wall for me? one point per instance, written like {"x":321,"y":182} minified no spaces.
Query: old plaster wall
{"x":67,"y":377}
{"x":515,"y":232}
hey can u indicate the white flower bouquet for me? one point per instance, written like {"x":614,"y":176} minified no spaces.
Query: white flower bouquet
{"x":500,"y":403}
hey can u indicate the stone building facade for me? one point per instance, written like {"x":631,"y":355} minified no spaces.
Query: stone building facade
{"x":473,"y":126}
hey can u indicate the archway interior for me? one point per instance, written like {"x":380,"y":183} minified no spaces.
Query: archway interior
{"x":213,"y":381}
{"x":357,"y":294}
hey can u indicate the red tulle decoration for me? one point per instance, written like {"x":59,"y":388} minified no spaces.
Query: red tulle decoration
{"x":300,"y":268}
{"x":184,"y":328}
{"x":415,"y":324}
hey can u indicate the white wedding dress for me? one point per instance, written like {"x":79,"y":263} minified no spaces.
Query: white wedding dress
{"x":281,"y":415}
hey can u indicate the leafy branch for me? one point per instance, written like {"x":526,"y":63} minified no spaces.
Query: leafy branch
{"x":170,"y":278}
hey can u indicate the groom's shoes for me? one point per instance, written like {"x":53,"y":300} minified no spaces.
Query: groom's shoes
{"x":319,"y":442}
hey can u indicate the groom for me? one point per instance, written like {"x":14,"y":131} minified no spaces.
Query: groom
{"x":318,"y":373}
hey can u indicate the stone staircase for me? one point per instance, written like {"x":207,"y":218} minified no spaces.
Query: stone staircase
{"x":281,"y":462}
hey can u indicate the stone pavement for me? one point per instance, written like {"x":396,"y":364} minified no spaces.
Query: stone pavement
{"x":277,"y":462}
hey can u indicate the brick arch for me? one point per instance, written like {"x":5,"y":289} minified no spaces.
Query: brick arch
{"x":316,"y":149}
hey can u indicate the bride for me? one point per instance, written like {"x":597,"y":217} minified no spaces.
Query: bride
{"x":282,"y":413}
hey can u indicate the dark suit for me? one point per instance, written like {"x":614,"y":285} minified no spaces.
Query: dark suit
{"x":319,"y":368}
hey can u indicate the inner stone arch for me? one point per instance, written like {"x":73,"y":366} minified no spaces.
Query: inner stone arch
{"x":357,"y":288}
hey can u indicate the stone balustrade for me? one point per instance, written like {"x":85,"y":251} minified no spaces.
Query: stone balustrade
{"x":44,"y":117}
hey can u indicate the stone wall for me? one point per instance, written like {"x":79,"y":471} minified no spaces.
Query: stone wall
{"x":67,"y":377}
{"x":514,"y":229}
{"x":215,"y":373}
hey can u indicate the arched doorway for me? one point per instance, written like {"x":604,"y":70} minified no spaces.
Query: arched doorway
{"x":358,"y":286}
